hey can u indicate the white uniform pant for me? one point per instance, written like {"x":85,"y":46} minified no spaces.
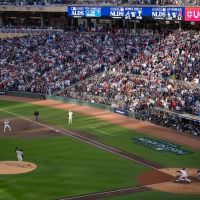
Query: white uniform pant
{"x":184,"y":178}
{"x":7,"y":126}
{"x":70,"y":120}
{"x":19,"y":157}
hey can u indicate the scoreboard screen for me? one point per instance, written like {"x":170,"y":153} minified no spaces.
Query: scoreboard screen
{"x":92,"y":11}
{"x":167,"y":13}
{"x":117,"y":12}
{"x":76,"y":11}
{"x":134,"y":12}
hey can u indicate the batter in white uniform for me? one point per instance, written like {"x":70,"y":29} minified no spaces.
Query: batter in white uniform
{"x":7,"y":126}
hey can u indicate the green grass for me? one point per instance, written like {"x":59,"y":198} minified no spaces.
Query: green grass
{"x":67,"y":167}
{"x":82,"y":123}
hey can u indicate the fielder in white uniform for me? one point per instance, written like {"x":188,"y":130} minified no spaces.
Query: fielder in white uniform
{"x":70,"y":116}
{"x":7,"y":125}
{"x":20,"y":155}
{"x":183,"y":176}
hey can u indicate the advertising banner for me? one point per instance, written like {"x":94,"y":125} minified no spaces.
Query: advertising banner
{"x":121,"y":112}
{"x":160,"y":145}
{"x":192,"y":14}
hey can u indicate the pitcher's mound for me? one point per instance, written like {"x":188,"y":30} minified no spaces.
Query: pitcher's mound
{"x":14,"y":167}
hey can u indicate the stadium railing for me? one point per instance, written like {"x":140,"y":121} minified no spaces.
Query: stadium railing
{"x":27,"y":30}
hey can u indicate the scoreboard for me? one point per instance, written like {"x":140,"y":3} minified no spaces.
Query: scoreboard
{"x":136,"y":12}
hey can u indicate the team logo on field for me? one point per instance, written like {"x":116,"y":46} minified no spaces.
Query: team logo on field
{"x":160,"y":145}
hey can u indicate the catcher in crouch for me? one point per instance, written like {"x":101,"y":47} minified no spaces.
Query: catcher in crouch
{"x":183,"y":177}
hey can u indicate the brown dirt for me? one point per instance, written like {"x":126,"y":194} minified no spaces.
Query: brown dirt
{"x":26,"y":129}
{"x":180,"y":188}
{"x":154,"y":177}
{"x":14,"y":167}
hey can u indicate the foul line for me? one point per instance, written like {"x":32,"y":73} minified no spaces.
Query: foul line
{"x":102,"y":193}
{"x":85,"y":140}
{"x":100,"y":131}
{"x":104,"y":132}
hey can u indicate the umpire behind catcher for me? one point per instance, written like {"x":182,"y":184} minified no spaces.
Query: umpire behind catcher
{"x":36,"y":113}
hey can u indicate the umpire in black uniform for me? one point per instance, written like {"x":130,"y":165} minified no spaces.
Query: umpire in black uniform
{"x":36,"y":113}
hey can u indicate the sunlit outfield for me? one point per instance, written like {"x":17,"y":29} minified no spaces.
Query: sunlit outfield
{"x":67,"y":167}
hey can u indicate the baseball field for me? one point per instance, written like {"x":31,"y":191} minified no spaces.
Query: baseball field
{"x":101,"y":155}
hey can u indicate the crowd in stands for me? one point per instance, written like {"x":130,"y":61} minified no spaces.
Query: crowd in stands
{"x":137,"y":72}
{"x":174,"y":55}
{"x":51,"y":61}
{"x":155,"y":71}
{"x":169,"y":120}
{"x":139,"y":93}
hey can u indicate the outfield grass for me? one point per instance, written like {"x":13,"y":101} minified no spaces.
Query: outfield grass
{"x":67,"y":167}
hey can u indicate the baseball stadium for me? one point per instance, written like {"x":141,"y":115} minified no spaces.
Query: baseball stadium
{"x":99,"y":100}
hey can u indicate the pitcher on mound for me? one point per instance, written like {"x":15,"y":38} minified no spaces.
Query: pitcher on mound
{"x":19,"y":154}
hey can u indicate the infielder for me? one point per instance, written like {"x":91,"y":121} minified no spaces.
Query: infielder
{"x":20,"y":155}
{"x":183,"y":176}
{"x":7,"y":125}
{"x":70,"y":116}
